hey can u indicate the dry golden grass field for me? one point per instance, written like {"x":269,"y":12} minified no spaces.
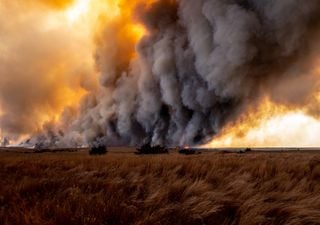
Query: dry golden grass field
{"x":123,"y":188}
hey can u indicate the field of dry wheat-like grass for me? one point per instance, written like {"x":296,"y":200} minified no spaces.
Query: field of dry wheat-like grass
{"x":122,"y":188}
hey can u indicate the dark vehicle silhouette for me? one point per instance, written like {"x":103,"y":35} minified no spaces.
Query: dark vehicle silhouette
{"x":98,"y":150}
{"x":148,"y":149}
{"x":188,"y":151}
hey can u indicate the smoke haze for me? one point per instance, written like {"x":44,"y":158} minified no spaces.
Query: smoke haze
{"x":40,"y":71}
{"x":170,"y":72}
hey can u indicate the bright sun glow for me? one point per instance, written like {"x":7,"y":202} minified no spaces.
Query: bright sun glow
{"x":77,"y":10}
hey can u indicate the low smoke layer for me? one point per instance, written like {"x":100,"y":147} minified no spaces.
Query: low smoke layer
{"x":199,"y":65}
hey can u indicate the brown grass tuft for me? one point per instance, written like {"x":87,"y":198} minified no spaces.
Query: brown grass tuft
{"x":75,"y":189}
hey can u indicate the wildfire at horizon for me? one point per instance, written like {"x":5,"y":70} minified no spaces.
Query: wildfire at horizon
{"x":170,"y":72}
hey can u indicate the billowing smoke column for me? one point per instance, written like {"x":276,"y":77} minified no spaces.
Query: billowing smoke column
{"x":199,"y":65}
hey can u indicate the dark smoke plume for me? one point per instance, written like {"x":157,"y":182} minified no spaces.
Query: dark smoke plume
{"x":201,"y":63}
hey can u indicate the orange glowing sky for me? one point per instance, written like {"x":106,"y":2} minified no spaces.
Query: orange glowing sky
{"x":62,"y":57}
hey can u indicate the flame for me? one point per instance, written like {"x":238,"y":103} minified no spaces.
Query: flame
{"x":271,"y":125}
